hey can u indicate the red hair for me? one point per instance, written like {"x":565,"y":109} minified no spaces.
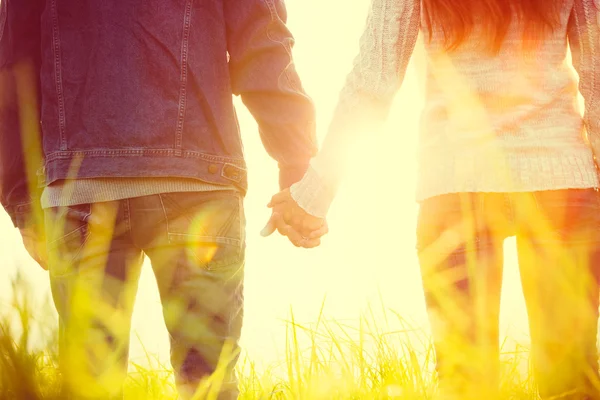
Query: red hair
{"x":458,"y":18}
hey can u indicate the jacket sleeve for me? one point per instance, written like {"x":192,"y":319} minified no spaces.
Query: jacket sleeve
{"x":263,"y":74}
{"x":584,"y":41}
{"x":20,"y":140}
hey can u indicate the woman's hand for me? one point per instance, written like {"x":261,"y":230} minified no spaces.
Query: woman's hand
{"x":289,"y":219}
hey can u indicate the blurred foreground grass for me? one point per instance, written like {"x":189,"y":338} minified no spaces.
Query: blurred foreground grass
{"x":337,"y":362}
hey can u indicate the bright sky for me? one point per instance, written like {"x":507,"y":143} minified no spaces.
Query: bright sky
{"x":370,"y":249}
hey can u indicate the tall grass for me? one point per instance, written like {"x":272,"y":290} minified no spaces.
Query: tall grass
{"x":325,"y":360}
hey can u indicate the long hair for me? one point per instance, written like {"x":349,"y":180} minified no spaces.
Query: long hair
{"x":459,"y":18}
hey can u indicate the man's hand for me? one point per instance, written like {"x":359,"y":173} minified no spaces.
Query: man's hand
{"x":289,"y":219}
{"x":35,"y":246}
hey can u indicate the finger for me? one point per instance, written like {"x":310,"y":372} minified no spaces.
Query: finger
{"x":276,"y":223}
{"x":280,"y":225}
{"x":294,"y":236}
{"x":290,"y":225}
{"x":271,"y":226}
{"x":322,"y":231}
{"x":288,"y":217}
{"x":286,"y":213}
{"x":280,"y":197}
{"x":312,"y":223}
{"x":311,"y":243}
{"x":296,"y":221}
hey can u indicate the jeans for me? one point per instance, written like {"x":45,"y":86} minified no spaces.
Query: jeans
{"x":460,"y":239}
{"x":196,"y":244}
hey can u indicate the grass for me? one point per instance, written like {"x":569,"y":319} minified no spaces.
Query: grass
{"x":338,"y":362}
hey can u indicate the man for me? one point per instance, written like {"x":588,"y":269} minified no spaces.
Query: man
{"x":142,"y":155}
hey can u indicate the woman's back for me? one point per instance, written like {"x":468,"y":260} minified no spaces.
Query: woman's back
{"x":503,"y":121}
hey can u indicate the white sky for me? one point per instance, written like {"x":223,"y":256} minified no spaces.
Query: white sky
{"x":370,"y":250}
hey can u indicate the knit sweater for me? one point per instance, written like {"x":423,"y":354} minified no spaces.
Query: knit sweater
{"x":85,"y":191}
{"x":505,"y":122}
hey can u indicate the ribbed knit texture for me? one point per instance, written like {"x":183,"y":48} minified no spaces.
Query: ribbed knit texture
{"x":506,"y":122}
{"x":86,"y":191}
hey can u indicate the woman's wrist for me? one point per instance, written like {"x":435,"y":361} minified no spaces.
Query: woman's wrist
{"x":313,"y":194}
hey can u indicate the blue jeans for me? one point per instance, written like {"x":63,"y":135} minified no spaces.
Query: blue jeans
{"x":460,"y":239}
{"x":196,"y":244}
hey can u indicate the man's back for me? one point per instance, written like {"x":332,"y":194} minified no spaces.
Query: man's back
{"x":144,"y":88}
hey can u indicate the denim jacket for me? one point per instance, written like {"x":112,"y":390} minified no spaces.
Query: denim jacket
{"x":143,"y":88}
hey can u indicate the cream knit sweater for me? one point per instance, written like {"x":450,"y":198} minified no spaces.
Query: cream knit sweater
{"x":492,"y":123}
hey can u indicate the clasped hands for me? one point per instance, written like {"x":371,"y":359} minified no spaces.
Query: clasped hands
{"x":290,"y":220}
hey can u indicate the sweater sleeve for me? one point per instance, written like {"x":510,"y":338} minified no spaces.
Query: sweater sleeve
{"x":386,"y":46}
{"x":584,"y":40}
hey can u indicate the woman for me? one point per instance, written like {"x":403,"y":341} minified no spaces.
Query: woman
{"x":502,"y":153}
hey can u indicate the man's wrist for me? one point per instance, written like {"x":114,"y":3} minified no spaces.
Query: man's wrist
{"x":290,"y":175}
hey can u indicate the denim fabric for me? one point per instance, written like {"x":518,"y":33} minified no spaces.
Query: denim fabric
{"x":460,"y":239}
{"x":196,"y":244}
{"x":144,"y":88}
